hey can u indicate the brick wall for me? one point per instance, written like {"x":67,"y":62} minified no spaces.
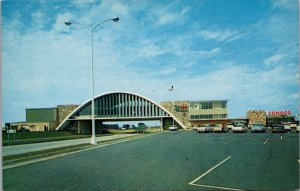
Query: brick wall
{"x":257,"y":116}
{"x":63,"y":111}
{"x":174,"y":108}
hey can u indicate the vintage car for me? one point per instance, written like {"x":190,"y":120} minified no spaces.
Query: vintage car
{"x":240,"y":127}
{"x":173,"y":128}
{"x":206,"y":128}
{"x":287,"y":127}
{"x":278,"y":128}
{"x":218,"y":128}
{"x":258,"y":127}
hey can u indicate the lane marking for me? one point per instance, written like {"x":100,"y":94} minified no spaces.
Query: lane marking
{"x":230,"y":141}
{"x":281,"y":137}
{"x":204,"y":174}
{"x":266,"y":141}
{"x":218,"y":187}
{"x":252,"y":137}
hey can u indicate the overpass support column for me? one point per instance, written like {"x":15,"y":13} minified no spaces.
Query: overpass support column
{"x":166,"y":123}
{"x":85,"y":127}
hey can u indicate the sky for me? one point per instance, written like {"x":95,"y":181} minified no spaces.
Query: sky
{"x":243,"y":51}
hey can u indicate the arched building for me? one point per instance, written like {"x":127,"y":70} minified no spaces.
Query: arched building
{"x":117,"y":106}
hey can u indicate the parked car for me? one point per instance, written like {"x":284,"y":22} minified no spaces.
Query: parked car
{"x":239,"y":128}
{"x":173,"y":128}
{"x":258,"y":127}
{"x":205,"y":129}
{"x":297,"y":128}
{"x":278,"y":128}
{"x":287,"y":127}
{"x":293,"y":125}
{"x":228,"y":126}
{"x":218,"y":128}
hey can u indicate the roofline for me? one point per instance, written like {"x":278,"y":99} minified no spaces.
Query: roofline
{"x":124,"y":92}
{"x":41,"y":108}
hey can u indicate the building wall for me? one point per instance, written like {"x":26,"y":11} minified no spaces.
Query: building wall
{"x":214,"y":109}
{"x":184,"y":109}
{"x":198,"y":123}
{"x":176,"y":109}
{"x":34,"y":126}
{"x":63,"y":111}
{"x":41,"y":115}
{"x":257,"y":116}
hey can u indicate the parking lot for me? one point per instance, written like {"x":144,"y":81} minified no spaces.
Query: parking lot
{"x":171,"y":160}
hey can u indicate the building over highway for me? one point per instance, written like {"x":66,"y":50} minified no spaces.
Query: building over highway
{"x":117,"y":106}
{"x":126,"y":106}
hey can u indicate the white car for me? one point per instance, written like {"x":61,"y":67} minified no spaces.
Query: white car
{"x":205,"y":128}
{"x":173,"y":128}
{"x":293,"y":125}
{"x":239,"y":128}
{"x":218,"y":128}
{"x":229,"y":126}
{"x":287,"y":127}
{"x":201,"y":129}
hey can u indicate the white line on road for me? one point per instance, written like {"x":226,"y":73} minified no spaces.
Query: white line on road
{"x":266,"y":141}
{"x":218,"y":187}
{"x":230,"y":141}
{"x":209,"y":170}
{"x":281,"y":137}
{"x":252,"y":137}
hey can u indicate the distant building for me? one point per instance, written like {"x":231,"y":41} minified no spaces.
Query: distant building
{"x":42,"y":119}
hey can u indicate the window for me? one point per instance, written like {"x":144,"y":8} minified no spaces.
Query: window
{"x":224,"y":104}
{"x":207,"y":105}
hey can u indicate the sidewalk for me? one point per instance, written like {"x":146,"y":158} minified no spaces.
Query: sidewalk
{"x":26,"y":148}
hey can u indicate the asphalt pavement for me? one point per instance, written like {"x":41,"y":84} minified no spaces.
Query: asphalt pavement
{"x":179,"y":160}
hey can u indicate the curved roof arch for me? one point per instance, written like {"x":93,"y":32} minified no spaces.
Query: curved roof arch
{"x":84,"y":108}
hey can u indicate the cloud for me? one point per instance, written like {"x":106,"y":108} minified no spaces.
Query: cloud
{"x":59,"y":25}
{"x":83,"y":2}
{"x":285,"y":4}
{"x":170,"y":14}
{"x":39,"y":19}
{"x":273,"y":59}
{"x":218,"y":35}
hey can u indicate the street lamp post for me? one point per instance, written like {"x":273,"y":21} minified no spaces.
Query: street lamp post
{"x":91,"y":28}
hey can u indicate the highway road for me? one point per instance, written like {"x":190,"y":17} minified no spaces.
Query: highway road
{"x":179,"y":160}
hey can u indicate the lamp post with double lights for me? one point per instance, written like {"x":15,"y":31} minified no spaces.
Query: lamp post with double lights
{"x":92,"y":28}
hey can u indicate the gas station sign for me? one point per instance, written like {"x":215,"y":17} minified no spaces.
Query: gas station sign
{"x":279,"y":113}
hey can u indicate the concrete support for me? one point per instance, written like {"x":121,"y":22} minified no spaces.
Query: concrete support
{"x":85,"y":127}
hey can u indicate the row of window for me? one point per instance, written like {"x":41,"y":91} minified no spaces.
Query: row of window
{"x":122,"y":105}
{"x":208,"y":105}
{"x":209,"y":116}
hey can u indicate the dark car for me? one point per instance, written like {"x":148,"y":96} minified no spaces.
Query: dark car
{"x":278,"y":128}
{"x":257,"y":127}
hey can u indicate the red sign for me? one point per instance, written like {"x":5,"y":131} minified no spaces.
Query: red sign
{"x":183,"y":106}
{"x":279,"y":113}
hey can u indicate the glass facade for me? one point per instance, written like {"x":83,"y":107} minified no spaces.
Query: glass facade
{"x":208,"y":110}
{"x":121,"y":105}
